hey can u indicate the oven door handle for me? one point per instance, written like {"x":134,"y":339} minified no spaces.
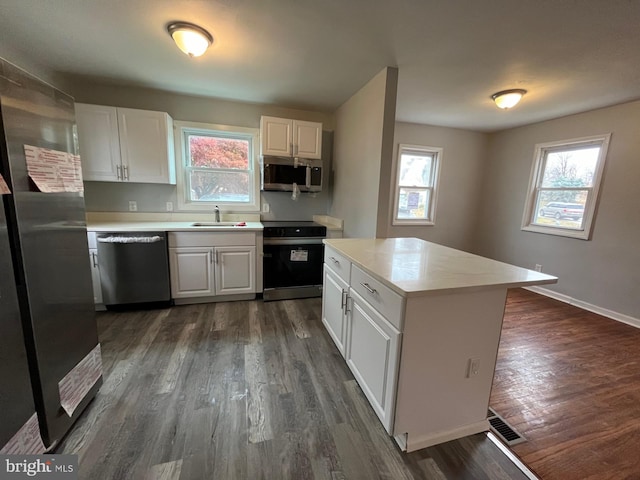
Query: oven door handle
{"x":292,"y":241}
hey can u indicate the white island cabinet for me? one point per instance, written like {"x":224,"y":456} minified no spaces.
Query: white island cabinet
{"x":411,"y":317}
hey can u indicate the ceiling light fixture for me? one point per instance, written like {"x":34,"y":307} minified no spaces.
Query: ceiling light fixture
{"x":191,"y":39}
{"x":508,"y":98}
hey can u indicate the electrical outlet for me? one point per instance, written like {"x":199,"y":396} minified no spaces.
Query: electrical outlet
{"x":133,"y":206}
{"x":538,"y":267}
{"x":169,"y":206}
{"x":265,"y":208}
{"x":473,"y":367}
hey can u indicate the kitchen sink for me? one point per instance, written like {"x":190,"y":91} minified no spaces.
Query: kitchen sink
{"x":218,"y":224}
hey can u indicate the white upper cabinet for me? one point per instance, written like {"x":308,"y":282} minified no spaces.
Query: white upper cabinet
{"x":282,"y":137}
{"x":146,"y":146}
{"x":99,"y":142}
{"x":125,"y":144}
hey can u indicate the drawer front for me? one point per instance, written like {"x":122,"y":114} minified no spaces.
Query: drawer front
{"x":207,"y":239}
{"x":338,"y":263}
{"x":379,"y":296}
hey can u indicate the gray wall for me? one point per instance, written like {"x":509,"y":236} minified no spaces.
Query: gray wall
{"x":461,"y":169}
{"x":105,"y":196}
{"x":604,"y":271}
{"x":362,"y":128}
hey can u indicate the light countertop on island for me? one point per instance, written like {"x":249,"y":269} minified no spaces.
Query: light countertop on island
{"x":415,"y":267}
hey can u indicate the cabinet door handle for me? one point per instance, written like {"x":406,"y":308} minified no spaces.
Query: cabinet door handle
{"x":369,"y":288}
{"x":295,"y":149}
{"x":119,"y":172}
{"x":126,"y":172}
{"x":346,"y":304}
{"x":343,"y":301}
{"x":210,"y":257}
{"x":94,"y":259}
{"x":334,"y":260}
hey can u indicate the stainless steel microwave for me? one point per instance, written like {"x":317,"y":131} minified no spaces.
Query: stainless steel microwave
{"x":280,"y":173}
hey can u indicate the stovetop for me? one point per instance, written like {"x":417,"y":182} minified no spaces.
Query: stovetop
{"x":293,"y":229}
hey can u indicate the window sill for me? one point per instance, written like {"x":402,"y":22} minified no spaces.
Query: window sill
{"x":559,"y":232}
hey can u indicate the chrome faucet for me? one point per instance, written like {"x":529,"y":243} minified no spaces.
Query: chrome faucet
{"x":217,"y":212}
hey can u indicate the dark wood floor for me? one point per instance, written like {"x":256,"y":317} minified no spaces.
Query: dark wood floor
{"x":245,"y":390}
{"x":569,"y":381}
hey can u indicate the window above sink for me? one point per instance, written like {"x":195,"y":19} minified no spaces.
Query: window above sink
{"x":217,"y":165}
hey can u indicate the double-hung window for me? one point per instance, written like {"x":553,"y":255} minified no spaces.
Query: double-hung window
{"x":564,"y":184}
{"x":416,"y":185}
{"x":217,"y":165}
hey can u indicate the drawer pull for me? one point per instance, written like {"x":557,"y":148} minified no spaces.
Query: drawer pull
{"x":334,"y":260}
{"x":369,"y":288}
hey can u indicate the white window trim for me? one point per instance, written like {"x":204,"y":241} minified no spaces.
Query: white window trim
{"x":592,"y":199}
{"x":183,"y":128}
{"x":437,"y":154}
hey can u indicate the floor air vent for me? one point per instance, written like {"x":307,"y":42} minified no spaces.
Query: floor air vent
{"x":503,"y":430}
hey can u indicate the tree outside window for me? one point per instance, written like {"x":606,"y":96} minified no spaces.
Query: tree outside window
{"x":218,"y":168}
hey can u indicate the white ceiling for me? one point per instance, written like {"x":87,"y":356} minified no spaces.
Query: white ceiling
{"x":571,"y":55}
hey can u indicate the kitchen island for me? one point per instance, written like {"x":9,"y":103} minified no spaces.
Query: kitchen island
{"x":419,"y":326}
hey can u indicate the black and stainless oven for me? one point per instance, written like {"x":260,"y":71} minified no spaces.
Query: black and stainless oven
{"x":293,"y":254}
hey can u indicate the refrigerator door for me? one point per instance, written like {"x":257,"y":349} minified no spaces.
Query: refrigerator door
{"x":49,"y":243}
{"x":16,"y":399}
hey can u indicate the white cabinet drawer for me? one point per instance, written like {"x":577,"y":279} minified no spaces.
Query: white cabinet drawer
{"x":379,"y":296}
{"x":338,"y":263}
{"x":209,"y":239}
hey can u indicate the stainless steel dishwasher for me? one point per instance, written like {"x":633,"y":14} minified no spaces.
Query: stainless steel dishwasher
{"x":134,"y":267}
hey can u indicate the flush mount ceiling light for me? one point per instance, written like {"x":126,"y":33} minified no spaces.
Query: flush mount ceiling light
{"x":191,"y":39}
{"x":508,"y":98}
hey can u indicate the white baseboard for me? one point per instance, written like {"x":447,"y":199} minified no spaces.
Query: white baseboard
{"x":620,"y":317}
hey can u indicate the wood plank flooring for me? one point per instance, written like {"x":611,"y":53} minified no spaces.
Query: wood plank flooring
{"x":245,"y":390}
{"x":569,"y":381}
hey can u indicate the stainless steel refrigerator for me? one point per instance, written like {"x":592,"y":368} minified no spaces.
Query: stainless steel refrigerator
{"x":47,"y":317}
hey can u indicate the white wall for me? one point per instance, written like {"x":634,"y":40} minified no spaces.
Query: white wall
{"x":604,"y":271}
{"x":105,"y":196}
{"x":461,"y":169}
{"x":362,"y":128}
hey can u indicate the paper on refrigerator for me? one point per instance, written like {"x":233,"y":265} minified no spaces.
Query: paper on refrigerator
{"x":4,"y":188}
{"x":53,"y":171}
{"x":77,"y":383}
{"x":27,"y":440}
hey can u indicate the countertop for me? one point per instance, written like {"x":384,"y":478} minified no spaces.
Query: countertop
{"x":414,"y":267}
{"x":161,"y":226}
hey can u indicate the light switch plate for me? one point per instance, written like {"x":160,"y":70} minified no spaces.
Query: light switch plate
{"x":133,"y":206}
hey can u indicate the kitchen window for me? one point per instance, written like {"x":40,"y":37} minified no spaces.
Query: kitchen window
{"x":564,"y":184}
{"x":416,"y":185}
{"x":217,"y":166}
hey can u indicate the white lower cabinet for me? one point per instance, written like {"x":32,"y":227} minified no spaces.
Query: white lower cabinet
{"x":95,"y":271}
{"x":191,"y":272}
{"x":235,"y":270}
{"x":369,"y":341}
{"x":212,"y":266}
{"x":372,"y":353}
{"x":334,"y":316}
{"x":95,"y":276}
